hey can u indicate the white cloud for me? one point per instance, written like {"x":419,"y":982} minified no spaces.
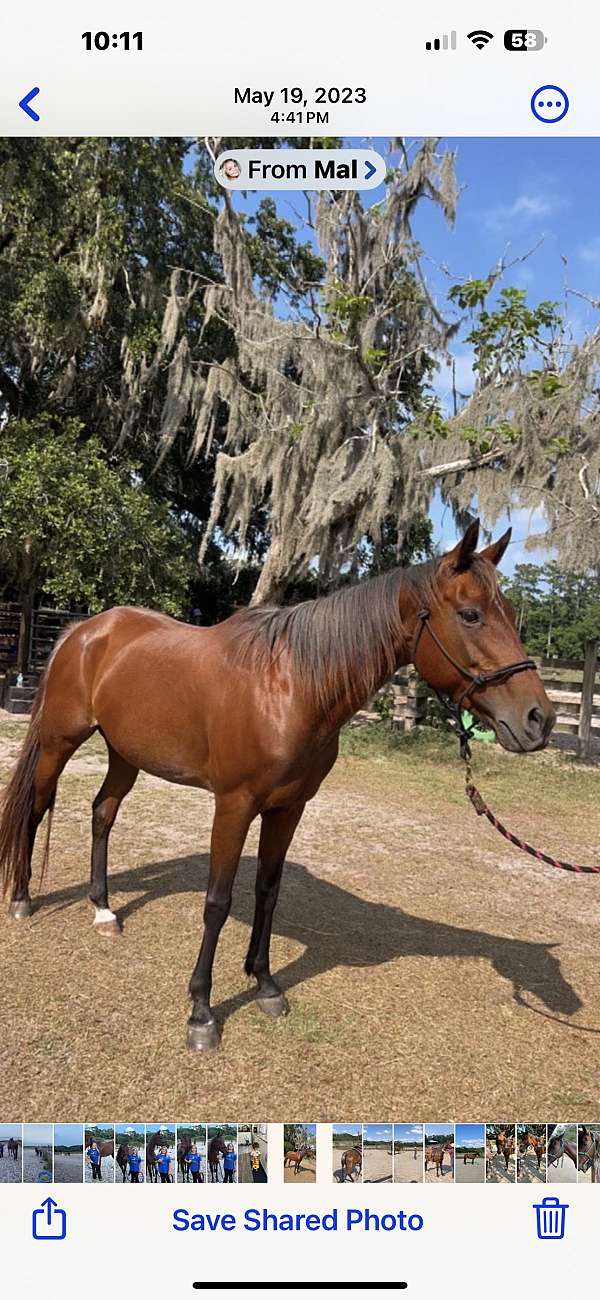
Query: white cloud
{"x":525,"y":208}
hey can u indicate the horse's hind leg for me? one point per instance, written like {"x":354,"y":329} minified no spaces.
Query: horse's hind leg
{"x":276,"y":835}
{"x":118,"y":781}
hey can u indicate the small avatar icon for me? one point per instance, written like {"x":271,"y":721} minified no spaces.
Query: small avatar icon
{"x":231,"y":169}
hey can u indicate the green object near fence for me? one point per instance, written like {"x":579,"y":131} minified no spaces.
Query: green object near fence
{"x":480,"y":733}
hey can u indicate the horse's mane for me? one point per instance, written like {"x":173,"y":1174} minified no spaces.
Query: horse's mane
{"x":344,"y":644}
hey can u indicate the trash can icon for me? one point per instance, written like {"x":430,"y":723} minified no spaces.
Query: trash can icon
{"x":550,"y":1217}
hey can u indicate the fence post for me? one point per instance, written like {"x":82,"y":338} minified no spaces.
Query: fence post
{"x":584,"y":730}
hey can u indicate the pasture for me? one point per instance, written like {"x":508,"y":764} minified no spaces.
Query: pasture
{"x":307,"y":1173}
{"x":463,"y":974}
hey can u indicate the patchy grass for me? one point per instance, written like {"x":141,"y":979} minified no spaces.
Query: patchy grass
{"x":430,"y":968}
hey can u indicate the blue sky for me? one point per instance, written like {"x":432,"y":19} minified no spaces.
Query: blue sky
{"x":408,"y":1132}
{"x":9,"y":1131}
{"x":68,"y":1134}
{"x":377,"y":1132}
{"x":439,"y":1130}
{"x":516,"y":194}
{"x":354,"y":1129}
{"x":37,"y":1135}
{"x":470,"y":1135}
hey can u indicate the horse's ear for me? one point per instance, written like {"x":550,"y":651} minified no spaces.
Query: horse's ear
{"x":495,"y":552}
{"x":459,"y":558}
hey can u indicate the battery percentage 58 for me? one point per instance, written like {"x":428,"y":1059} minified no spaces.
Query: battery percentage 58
{"x":521,"y":38}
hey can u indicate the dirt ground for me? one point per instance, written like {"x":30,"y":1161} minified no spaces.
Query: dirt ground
{"x":529,"y":1172}
{"x":307,"y":1172}
{"x":406,"y":1168}
{"x":445,"y":1177}
{"x":10,"y":1169}
{"x":455,"y":973}
{"x":471,"y":1172}
{"x":68,"y":1169}
{"x":377,"y":1165}
{"x":497,"y":1171}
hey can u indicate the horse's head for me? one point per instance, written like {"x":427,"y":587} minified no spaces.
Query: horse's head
{"x":471,"y":631}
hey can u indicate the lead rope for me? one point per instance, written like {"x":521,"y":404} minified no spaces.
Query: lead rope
{"x":482,"y":810}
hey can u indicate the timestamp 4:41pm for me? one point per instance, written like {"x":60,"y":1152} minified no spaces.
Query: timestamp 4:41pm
{"x":302,"y":117}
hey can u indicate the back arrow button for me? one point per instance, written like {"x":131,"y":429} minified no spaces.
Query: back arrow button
{"x":25,"y":104}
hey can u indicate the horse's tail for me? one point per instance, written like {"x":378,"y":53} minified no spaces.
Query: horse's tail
{"x":17,"y":808}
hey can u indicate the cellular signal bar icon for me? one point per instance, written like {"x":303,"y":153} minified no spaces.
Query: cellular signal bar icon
{"x":442,"y":42}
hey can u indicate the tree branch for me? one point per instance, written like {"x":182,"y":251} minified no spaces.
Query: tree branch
{"x":465,"y":463}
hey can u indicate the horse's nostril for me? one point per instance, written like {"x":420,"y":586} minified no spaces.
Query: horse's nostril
{"x":536,"y":720}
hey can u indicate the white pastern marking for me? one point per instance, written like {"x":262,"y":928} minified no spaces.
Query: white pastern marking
{"x":103,"y":915}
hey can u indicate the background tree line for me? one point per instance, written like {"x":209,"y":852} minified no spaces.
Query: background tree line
{"x":200,"y":407}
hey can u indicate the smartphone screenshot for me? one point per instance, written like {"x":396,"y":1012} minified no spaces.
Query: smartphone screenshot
{"x":299,"y":649}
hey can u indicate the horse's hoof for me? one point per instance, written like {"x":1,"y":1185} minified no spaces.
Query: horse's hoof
{"x":20,"y":909}
{"x":108,"y":929}
{"x":277,"y":1006}
{"x":203,"y":1038}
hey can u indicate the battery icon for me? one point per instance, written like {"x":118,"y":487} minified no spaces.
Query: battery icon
{"x":523,"y":38}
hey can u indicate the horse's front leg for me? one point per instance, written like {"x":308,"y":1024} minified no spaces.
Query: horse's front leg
{"x":230,"y":827}
{"x":277,"y":831}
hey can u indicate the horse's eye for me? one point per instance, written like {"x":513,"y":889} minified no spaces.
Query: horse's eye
{"x":469,"y":615}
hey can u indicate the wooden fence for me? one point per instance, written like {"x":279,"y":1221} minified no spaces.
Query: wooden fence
{"x":574,"y":688}
{"x":403,"y":701}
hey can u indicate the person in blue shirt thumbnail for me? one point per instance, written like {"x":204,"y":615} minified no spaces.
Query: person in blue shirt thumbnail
{"x":163,"y":1164}
{"x":134,"y":1161}
{"x":229,"y":1163}
{"x":193,"y":1160}
{"x":93,"y":1155}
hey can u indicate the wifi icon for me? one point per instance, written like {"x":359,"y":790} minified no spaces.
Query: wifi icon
{"x":480,"y":38}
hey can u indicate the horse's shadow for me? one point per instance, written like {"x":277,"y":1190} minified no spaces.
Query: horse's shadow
{"x":347,"y":930}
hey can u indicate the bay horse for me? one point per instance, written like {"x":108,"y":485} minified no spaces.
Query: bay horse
{"x":558,"y":1147}
{"x":216,"y":1147}
{"x":158,"y":1139}
{"x":12,"y":1148}
{"x":184,"y":1145}
{"x":471,"y":1155}
{"x":589,"y":1152}
{"x":352,"y":1164}
{"x":434,"y":1155}
{"x":122,"y":1157}
{"x":251,"y":710}
{"x":537,"y":1144}
{"x":294,"y":1158}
